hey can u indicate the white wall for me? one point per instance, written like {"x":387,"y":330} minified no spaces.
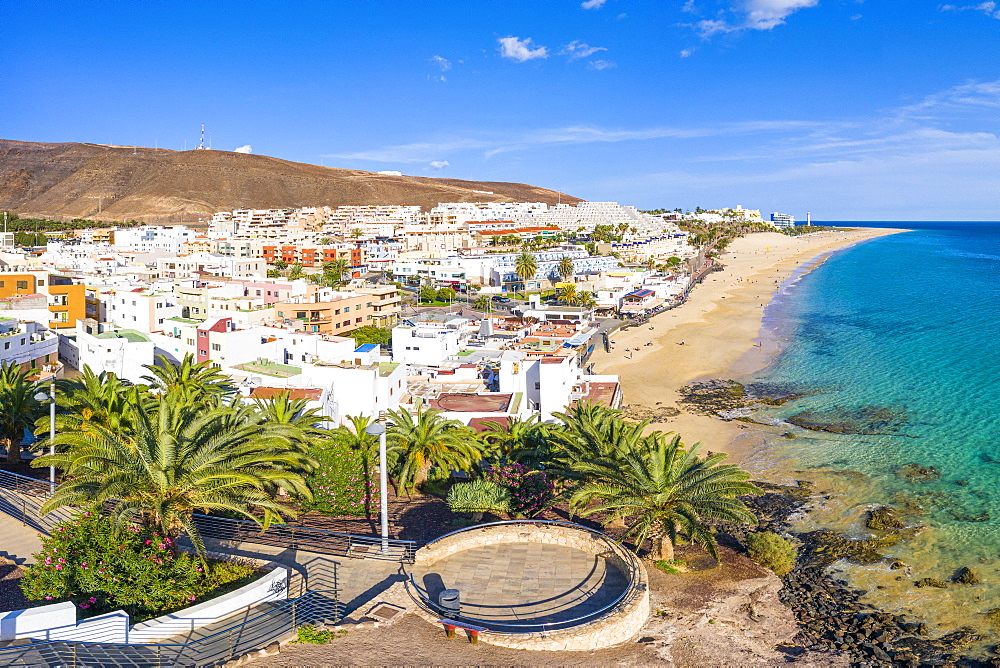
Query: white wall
{"x":271,"y":587}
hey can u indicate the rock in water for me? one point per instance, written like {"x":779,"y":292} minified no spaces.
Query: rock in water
{"x":930,"y":582}
{"x":883,"y":518}
{"x":966,"y":576}
{"x":915,"y":473}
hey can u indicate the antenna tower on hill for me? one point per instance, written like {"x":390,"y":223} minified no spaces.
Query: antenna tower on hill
{"x":201,"y":146}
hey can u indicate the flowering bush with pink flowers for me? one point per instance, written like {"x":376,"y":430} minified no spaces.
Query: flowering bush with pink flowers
{"x":101,"y":567}
{"x":531,"y":490}
{"x":341,"y":484}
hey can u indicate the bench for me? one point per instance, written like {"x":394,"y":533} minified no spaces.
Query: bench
{"x":450,"y":625}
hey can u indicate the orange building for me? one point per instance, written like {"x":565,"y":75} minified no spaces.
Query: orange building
{"x":67,"y":302}
{"x":379,"y":307}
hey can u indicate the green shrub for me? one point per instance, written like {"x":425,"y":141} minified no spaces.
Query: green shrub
{"x":307,"y":633}
{"x":772,"y":551}
{"x":478,"y":497}
{"x":101,"y":567}
{"x":340,"y":485}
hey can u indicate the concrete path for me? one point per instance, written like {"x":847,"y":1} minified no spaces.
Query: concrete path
{"x":359,"y":581}
{"x":524,"y":583}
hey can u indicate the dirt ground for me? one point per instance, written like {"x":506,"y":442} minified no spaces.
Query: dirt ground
{"x":728,"y":615}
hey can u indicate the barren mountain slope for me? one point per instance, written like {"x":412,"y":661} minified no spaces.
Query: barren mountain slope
{"x":118,"y":183}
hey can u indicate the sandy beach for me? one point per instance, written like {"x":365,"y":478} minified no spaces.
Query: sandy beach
{"x":720,"y":326}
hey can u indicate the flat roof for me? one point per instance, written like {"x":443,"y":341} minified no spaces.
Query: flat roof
{"x":132,"y":335}
{"x":310,"y":393}
{"x":460,"y":402}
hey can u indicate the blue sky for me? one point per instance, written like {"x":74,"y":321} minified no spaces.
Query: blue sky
{"x":851,"y":109}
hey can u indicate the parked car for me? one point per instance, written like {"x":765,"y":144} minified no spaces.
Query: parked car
{"x":500,"y":299}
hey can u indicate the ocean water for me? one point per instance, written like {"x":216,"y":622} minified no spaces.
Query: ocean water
{"x":902,"y":329}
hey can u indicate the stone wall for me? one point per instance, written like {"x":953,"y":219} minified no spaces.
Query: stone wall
{"x":616,"y":626}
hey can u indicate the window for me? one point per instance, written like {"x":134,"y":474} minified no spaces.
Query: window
{"x":22,"y":285}
{"x":190,"y":342}
{"x":203,"y":352}
{"x":258,"y":293}
{"x":300,"y":314}
{"x":357,"y":320}
{"x":202,"y":334}
{"x":160,"y":321}
{"x":337,"y":326}
{"x":216,"y":346}
{"x":6,"y":345}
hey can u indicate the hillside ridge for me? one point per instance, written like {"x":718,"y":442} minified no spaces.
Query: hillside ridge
{"x":107,"y":182}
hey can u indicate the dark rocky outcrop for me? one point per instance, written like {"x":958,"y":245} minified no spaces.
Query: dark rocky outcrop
{"x":915,"y":473}
{"x":868,"y":420}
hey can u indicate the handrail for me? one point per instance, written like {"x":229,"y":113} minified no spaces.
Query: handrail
{"x":224,"y":528}
{"x":628,"y":557}
{"x":318,"y":608}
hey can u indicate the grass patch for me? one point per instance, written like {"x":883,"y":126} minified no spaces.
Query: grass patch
{"x":671,"y":566}
{"x":309,"y":634}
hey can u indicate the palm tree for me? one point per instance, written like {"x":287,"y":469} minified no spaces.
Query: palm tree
{"x":18,"y":408}
{"x":302,"y":422}
{"x":569,"y":293}
{"x":590,"y":431}
{"x":482,"y":303}
{"x":174,"y":459}
{"x":280,"y":265}
{"x":335,"y":270}
{"x":667,"y":490}
{"x":586,"y":299}
{"x":94,"y":398}
{"x":566,"y":268}
{"x":195,"y":382}
{"x":426,"y":439}
{"x":514,"y":440}
{"x":295,"y":272}
{"x":526,"y":266}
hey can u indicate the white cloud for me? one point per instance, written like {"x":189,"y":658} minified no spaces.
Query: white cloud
{"x":443,"y":63}
{"x":593,"y":4}
{"x":246,"y":148}
{"x":495,"y":143}
{"x":747,"y":15}
{"x":521,"y":50}
{"x":768,"y":14}
{"x":711,"y":28}
{"x":686,"y":53}
{"x":438,"y":164}
{"x":601,"y":65}
{"x":988,"y":8}
{"x":577,"y":49}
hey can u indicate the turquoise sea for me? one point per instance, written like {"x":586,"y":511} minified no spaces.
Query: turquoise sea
{"x":902,"y":331}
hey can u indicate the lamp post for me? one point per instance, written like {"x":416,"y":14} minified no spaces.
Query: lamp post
{"x":377,"y":428}
{"x":50,"y":398}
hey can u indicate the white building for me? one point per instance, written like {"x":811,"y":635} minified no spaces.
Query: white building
{"x":124,"y":352}
{"x":29,"y":344}
{"x":426,"y":344}
{"x":153,"y":238}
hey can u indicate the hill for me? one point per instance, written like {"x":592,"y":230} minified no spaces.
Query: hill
{"x":97,"y":181}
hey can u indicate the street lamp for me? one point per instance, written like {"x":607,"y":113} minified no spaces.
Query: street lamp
{"x":50,"y":398}
{"x":377,"y":428}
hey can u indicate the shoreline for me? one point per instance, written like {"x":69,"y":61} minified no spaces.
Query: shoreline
{"x":724,"y":332}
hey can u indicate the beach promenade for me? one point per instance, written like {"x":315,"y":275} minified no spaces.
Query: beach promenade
{"x":720,"y":327}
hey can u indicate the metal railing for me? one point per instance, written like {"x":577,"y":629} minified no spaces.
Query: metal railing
{"x":22,"y":497}
{"x":309,"y":539}
{"x":223,"y":644}
{"x":629,"y":559}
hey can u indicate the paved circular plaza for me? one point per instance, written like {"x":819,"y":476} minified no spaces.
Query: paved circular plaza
{"x":520,"y":584}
